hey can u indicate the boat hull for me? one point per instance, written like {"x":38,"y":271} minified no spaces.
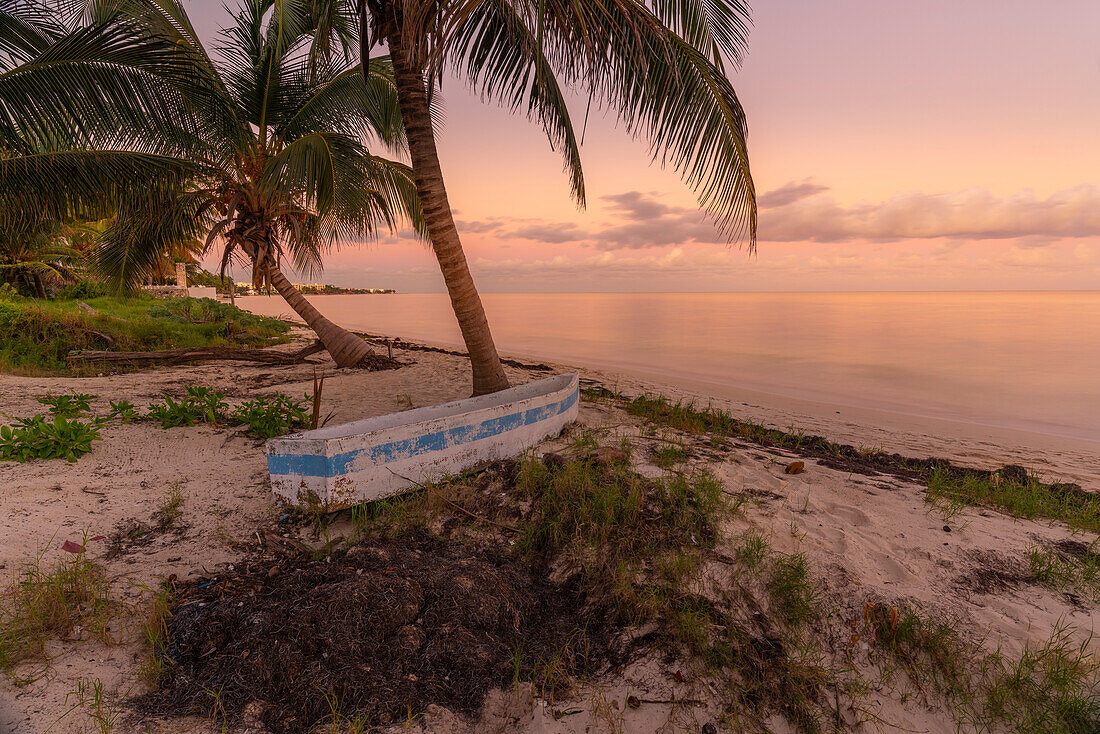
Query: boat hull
{"x":346,"y":465}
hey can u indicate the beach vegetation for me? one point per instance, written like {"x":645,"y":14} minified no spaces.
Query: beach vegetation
{"x":200,"y":405}
{"x":36,"y":337}
{"x":1020,"y":496}
{"x":92,"y":701}
{"x":258,"y":150}
{"x":41,"y":437}
{"x":667,"y":457}
{"x":68,"y":406}
{"x":950,"y":488}
{"x":265,"y":417}
{"x":124,"y":411}
{"x":753,"y":550}
{"x":171,"y":510}
{"x":1069,"y":565}
{"x":50,"y":602}
{"x":274,"y":416}
{"x":611,"y":522}
{"x":155,"y":663}
{"x":792,"y":589}
{"x":1049,"y":687}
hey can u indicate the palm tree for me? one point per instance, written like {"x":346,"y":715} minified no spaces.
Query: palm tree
{"x":259,"y":148}
{"x":658,"y":66}
{"x":33,"y":255}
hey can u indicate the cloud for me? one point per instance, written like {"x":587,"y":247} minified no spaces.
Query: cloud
{"x":480,"y":225}
{"x":796,"y":212}
{"x":789,"y":193}
{"x":638,"y":207}
{"x":551,"y":233}
{"x":973,"y":214}
{"x":637,"y":221}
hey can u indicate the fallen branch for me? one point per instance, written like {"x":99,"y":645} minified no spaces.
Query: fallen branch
{"x":196,"y":354}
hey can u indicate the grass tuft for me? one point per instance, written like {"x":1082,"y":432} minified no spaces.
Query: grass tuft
{"x":791,"y":588}
{"x":1052,"y":687}
{"x":54,"y":602}
{"x":156,"y":664}
{"x":1074,"y":571}
{"x":171,"y":511}
{"x":1022,"y":498}
{"x":612,"y":522}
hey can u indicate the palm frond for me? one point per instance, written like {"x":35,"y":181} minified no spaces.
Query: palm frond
{"x":351,"y":103}
{"x":82,"y":185}
{"x":26,"y":29}
{"x":351,"y":193}
{"x":150,"y":226}
{"x":716,"y":28}
{"x":95,"y":81}
{"x":659,"y":85}
{"x":503,"y":60}
{"x":685,"y":106}
{"x":205,"y":92}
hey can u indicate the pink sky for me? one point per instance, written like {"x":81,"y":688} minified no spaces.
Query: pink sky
{"x":895,"y":146}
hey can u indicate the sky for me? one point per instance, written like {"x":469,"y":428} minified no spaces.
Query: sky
{"x":924,"y":145}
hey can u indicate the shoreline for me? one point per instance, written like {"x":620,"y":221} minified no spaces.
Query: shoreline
{"x":1051,"y":457}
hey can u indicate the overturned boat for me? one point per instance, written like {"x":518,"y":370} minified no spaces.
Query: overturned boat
{"x":344,"y":465}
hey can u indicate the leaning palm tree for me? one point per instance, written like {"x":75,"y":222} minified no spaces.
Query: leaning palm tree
{"x":658,"y":66}
{"x":259,"y":150}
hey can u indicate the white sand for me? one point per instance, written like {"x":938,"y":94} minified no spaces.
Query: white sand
{"x":867,"y":538}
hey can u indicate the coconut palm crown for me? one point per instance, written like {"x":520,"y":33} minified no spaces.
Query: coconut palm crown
{"x":657,"y":65}
{"x":259,"y":149}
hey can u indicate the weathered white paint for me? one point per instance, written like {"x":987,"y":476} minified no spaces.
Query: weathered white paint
{"x":345,"y":465}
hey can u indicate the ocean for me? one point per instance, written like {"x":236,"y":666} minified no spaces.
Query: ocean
{"x":1020,"y":360}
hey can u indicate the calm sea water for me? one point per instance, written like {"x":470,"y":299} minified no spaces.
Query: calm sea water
{"x":1011,"y":359}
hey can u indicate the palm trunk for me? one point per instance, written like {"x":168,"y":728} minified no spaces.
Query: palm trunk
{"x":412,"y":98}
{"x":345,"y":348}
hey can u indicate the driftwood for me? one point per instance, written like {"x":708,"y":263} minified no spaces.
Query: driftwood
{"x":196,"y":354}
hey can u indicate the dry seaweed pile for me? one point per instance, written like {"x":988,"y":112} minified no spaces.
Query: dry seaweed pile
{"x":387,"y":627}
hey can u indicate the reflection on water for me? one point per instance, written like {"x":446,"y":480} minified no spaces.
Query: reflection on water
{"x":1027,"y":360}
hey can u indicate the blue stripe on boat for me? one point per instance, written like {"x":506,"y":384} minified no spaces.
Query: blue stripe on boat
{"x":313,"y":465}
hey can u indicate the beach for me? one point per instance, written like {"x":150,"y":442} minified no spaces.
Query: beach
{"x":869,"y":538}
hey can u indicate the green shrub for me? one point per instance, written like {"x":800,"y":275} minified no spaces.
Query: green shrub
{"x":83,"y":290}
{"x":210,"y":403}
{"x":39,"y":438}
{"x":68,"y":406}
{"x":210,"y":311}
{"x":267,"y":418}
{"x":33,"y":339}
{"x":202,"y":405}
{"x":124,"y":411}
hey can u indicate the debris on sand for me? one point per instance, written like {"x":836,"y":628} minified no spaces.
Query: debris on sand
{"x":386,"y":627}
